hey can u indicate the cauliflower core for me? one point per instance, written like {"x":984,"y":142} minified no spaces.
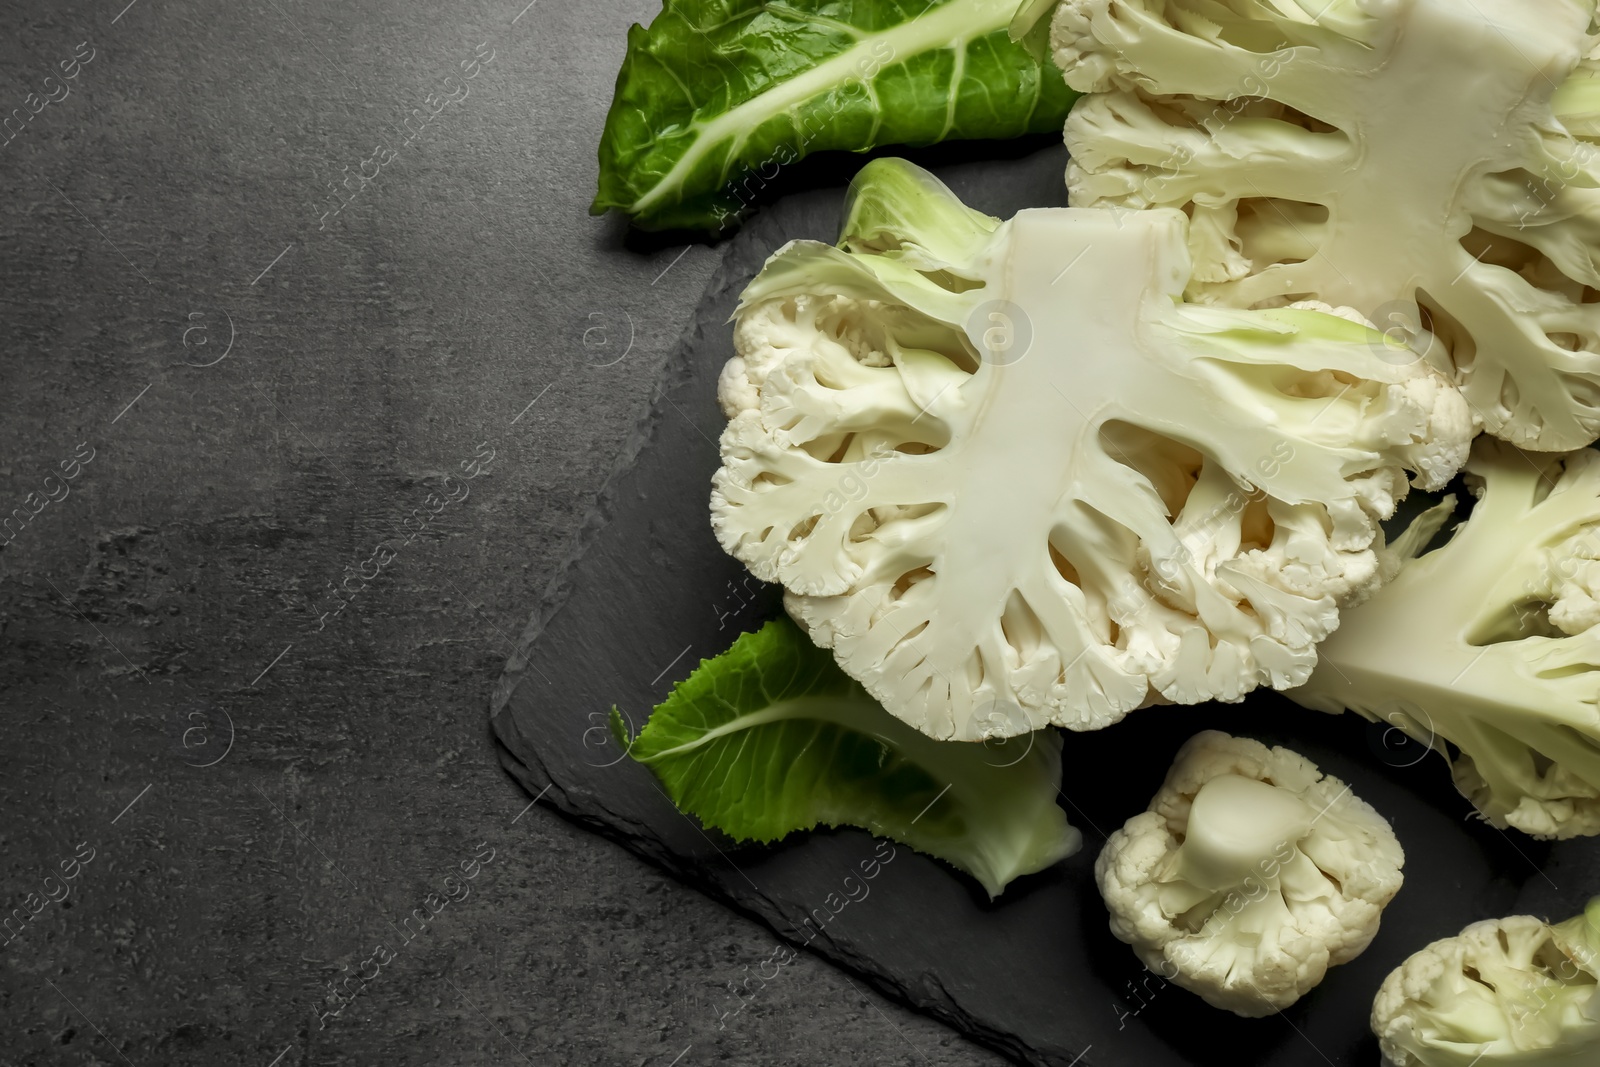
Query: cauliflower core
{"x":1251,"y":874}
{"x":1492,"y":643}
{"x":1012,"y":481}
{"x":1507,"y":991}
{"x":1432,"y":163}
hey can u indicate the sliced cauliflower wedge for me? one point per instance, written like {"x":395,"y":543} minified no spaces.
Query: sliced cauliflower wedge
{"x":1507,"y":991}
{"x":1251,"y":874}
{"x":1012,"y":480}
{"x":1432,"y":163}
{"x":1487,"y":649}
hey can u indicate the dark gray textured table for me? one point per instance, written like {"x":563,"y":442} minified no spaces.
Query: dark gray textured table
{"x":247,"y":647}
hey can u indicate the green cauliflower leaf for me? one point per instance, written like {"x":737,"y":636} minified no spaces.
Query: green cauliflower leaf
{"x":771,"y":737}
{"x":717,"y":95}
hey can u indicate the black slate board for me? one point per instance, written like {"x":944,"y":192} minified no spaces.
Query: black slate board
{"x":1035,"y":975}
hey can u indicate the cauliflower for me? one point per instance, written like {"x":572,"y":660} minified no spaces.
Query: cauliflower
{"x":1432,"y":163}
{"x":1507,"y":991}
{"x":1011,"y":480}
{"x":1251,"y":874}
{"x":1491,"y":642}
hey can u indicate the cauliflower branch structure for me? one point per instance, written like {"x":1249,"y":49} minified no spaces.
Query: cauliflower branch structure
{"x":1251,"y":874}
{"x":1508,"y":991}
{"x":1431,"y":163}
{"x":1492,"y":642}
{"x":1011,"y":480}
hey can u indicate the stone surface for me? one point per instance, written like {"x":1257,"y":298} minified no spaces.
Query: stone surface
{"x":1036,"y":974}
{"x":202,"y":540}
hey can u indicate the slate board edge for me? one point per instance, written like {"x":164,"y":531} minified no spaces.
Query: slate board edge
{"x":538,"y":783}
{"x":941,"y":1008}
{"x":674,"y":372}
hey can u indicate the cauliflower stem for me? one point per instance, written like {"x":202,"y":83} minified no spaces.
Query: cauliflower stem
{"x":1490,"y":643}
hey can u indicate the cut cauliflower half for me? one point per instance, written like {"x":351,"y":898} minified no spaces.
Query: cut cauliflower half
{"x":1492,"y":642}
{"x":1251,"y":874}
{"x":1507,"y":991}
{"x":1432,"y":163}
{"x":1012,"y":481}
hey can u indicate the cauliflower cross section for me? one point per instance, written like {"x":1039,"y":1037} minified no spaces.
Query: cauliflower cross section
{"x":1491,"y":642}
{"x":1432,"y":163}
{"x":1012,"y":480}
{"x":1511,"y":991}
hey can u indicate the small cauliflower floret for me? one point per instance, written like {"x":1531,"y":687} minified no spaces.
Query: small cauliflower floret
{"x":1251,"y":874}
{"x":1432,"y":163}
{"x":1012,"y":481}
{"x":1575,"y":592}
{"x":1490,"y":642}
{"x":1512,"y":991}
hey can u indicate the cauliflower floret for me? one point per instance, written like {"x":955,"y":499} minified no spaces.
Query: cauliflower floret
{"x":1490,"y":642}
{"x":1574,"y":565}
{"x":1502,"y":992}
{"x":1002,"y":464}
{"x":1251,"y":874}
{"x":1432,"y":163}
